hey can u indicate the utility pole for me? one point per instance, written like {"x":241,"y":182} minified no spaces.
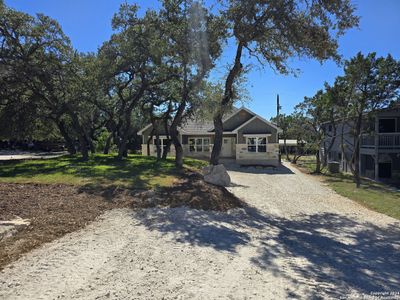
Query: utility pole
{"x":278,"y":107}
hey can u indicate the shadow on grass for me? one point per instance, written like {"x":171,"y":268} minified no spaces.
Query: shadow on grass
{"x":324,"y":251}
{"x":366,"y":184}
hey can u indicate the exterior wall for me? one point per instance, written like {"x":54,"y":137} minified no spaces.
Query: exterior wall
{"x":335,"y":153}
{"x":185,"y":138}
{"x":395,"y":160}
{"x":367,"y":166}
{"x":257,"y":126}
{"x":239,"y":146}
{"x":238,"y":119}
{"x":373,"y":144}
{"x":269,"y":158}
{"x":202,"y":154}
{"x":153,"y":150}
{"x":147,"y":132}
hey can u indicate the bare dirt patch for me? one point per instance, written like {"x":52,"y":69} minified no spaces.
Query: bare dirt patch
{"x":55,"y":210}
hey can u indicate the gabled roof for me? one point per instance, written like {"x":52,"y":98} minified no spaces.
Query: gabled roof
{"x":195,"y":126}
{"x":253,"y":118}
{"x":140,"y":132}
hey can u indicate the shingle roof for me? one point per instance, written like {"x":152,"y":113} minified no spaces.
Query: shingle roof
{"x":197,"y":126}
{"x":194,"y":126}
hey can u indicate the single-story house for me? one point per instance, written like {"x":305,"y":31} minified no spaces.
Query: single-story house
{"x":247,"y":138}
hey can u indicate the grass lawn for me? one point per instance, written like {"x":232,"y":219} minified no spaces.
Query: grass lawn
{"x":375,"y":196}
{"x":135,"y":172}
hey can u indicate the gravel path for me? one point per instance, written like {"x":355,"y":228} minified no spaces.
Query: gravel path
{"x":22,"y":155}
{"x":297,"y":240}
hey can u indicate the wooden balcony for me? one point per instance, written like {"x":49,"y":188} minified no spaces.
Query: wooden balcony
{"x":384,"y":141}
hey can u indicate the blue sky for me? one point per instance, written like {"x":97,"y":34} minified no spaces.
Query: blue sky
{"x":88,"y":24}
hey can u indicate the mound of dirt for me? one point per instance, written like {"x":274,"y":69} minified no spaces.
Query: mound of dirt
{"x":195,"y":193}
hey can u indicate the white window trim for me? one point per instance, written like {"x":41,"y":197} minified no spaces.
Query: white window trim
{"x":202,"y":144}
{"x":259,"y":135}
{"x":162,"y":139}
{"x":251,"y":136}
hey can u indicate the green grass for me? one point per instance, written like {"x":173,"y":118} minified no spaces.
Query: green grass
{"x":307,"y":162}
{"x":135,"y":172}
{"x":373,"y":195}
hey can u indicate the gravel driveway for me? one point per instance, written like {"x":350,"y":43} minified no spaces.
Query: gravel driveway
{"x":298,"y":239}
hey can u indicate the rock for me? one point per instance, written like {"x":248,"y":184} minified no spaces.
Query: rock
{"x":216,"y":175}
{"x":9,"y":228}
{"x":207,"y":169}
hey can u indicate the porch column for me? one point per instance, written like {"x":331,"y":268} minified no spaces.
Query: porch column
{"x":376,"y":149}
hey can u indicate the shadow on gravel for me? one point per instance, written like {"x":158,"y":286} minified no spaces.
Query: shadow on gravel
{"x":327,"y":252}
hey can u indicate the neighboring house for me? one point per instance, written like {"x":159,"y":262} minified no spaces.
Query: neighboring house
{"x":247,"y":138}
{"x":291,"y":145}
{"x":379,"y":147}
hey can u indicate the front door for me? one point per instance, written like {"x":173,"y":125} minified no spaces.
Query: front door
{"x":226,"y":150}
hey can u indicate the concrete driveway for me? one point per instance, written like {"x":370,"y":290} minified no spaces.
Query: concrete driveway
{"x":296,"y":240}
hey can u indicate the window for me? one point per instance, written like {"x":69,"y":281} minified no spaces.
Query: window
{"x":251,"y":145}
{"x":199,"y":145}
{"x":257,"y":144}
{"x":387,"y":125}
{"x":262,"y":144}
{"x":206,"y":145}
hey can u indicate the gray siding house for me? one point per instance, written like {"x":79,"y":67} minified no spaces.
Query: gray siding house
{"x":247,"y":138}
{"x":379,"y":147}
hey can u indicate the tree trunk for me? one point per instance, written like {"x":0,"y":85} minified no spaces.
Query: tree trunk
{"x":123,"y":141}
{"x":226,"y":100}
{"x":148,"y":142}
{"x":68,"y":140}
{"x":167,"y":147}
{"x":91,"y":145}
{"x":81,"y":134}
{"x":286,"y":149}
{"x":122,"y":148}
{"x":178,"y":146}
{"x":219,"y":129}
{"x":83,"y":148}
{"x":318,"y":163}
{"x":173,"y":131}
{"x":107,"y":146}
{"x":158,"y":146}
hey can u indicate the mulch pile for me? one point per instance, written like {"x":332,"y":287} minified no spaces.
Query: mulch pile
{"x":55,"y":210}
{"x":197,"y":194}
